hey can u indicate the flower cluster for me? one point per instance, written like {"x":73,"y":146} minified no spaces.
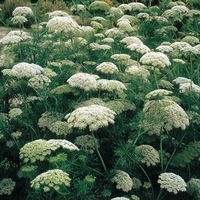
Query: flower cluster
{"x":37,"y":150}
{"x":48,"y":118}
{"x":15,"y":37}
{"x":86,"y":143}
{"x":19,"y":20}
{"x":14,"y":113}
{"x":139,"y":48}
{"x":24,"y":70}
{"x":111,"y":86}
{"x":159,"y":93}
{"x":123,"y":181}
{"x":57,"y":13}
{"x":60,"y":128}
{"x":22,"y":11}
{"x":63,"y":25}
{"x":107,"y":68}
{"x":54,"y":179}
{"x":93,"y":116}
{"x":99,"y":6}
{"x":163,"y":114}
{"x":156,"y":59}
{"x":7,"y":185}
{"x":172,"y":182}
{"x":39,"y":81}
{"x":138,"y":71}
{"x":83,"y":81}
{"x":147,"y":154}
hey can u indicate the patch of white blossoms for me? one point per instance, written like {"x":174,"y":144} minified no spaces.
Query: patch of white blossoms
{"x":93,"y":117}
{"x":63,"y":25}
{"x":131,"y":40}
{"x":156,"y":59}
{"x":148,"y":155}
{"x":15,"y":37}
{"x":138,"y":71}
{"x":163,"y":114}
{"x":54,"y":179}
{"x":37,"y":150}
{"x":159,"y":93}
{"x":172,"y":182}
{"x":57,"y":13}
{"x":14,"y":113}
{"x":22,"y":11}
{"x":111,"y":86}
{"x":107,"y":68}
{"x":19,"y":20}
{"x":23,"y":70}
{"x":39,"y":81}
{"x":123,"y":181}
{"x":60,"y":128}
{"x":139,"y":48}
{"x":83,"y":81}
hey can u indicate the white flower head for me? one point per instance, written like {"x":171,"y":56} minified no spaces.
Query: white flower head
{"x":119,"y":198}
{"x":107,"y":68}
{"x":26,"y":70}
{"x":125,"y":7}
{"x":147,"y":154}
{"x":131,"y":40}
{"x":22,"y":11}
{"x":156,"y":59}
{"x":19,"y":20}
{"x":159,"y":93}
{"x":15,"y":37}
{"x":172,"y":182}
{"x":65,"y":25}
{"x":111,"y":86}
{"x":138,"y":71}
{"x":14,"y":113}
{"x":39,"y":81}
{"x":97,"y":47}
{"x":57,"y":13}
{"x":60,"y":128}
{"x":93,"y":117}
{"x":123,"y":181}
{"x":53,"y":179}
{"x":120,"y":57}
{"x":83,"y":81}
{"x":139,"y":48}
{"x":136,"y":6}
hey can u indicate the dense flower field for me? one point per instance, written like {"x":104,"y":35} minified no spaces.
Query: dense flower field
{"x":101,"y":101}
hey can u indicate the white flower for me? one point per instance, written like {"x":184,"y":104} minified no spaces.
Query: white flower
{"x":180,"y":9}
{"x":148,"y":155}
{"x":107,"y":68}
{"x":7,"y":185}
{"x":6,"y":60}
{"x":34,"y":151}
{"x":39,"y":81}
{"x":136,"y":6}
{"x":51,"y":180}
{"x":78,"y":8}
{"x":22,"y":11}
{"x":25,"y":70}
{"x":15,"y":112}
{"x":138,"y":71}
{"x":115,"y":33}
{"x":125,"y":7}
{"x":63,"y":25}
{"x":14,"y":37}
{"x":185,"y":88}
{"x":172,"y":182}
{"x":57,"y":13}
{"x":19,"y":20}
{"x":119,"y":198}
{"x":97,"y":47}
{"x":115,"y":13}
{"x":192,"y":40}
{"x":156,"y":59}
{"x":125,"y":26}
{"x":163,"y":114}
{"x":108,"y":40}
{"x":158,"y":93}
{"x":123,"y":181}
{"x":60,"y":128}
{"x":139,"y":48}
{"x":93,"y":117}
{"x":83,"y":81}
{"x":131,"y":40}
{"x":65,"y":144}
{"x":111,"y":86}
{"x":182,"y":80}
{"x":120,"y":57}
{"x":164,"y":48}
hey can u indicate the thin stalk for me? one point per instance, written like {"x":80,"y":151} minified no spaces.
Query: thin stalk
{"x":99,"y":154}
{"x":161,"y":152}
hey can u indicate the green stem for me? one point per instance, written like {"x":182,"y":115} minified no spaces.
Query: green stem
{"x":99,"y":154}
{"x":161,"y":152}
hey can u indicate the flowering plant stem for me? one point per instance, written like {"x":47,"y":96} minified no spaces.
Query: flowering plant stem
{"x":161,"y":152}
{"x":99,"y":154}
